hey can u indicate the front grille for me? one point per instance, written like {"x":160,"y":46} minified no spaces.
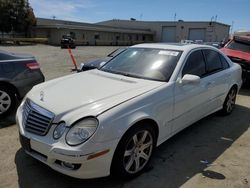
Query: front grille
{"x":36,"y":119}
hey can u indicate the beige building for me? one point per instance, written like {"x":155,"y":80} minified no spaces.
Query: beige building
{"x":177,"y":31}
{"x":129,"y":32}
{"x":89,"y":34}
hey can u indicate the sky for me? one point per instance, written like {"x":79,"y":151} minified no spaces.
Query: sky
{"x":231,"y":12}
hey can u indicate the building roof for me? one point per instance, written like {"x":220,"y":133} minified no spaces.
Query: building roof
{"x":58,"y":24}
{"x":157,"y":22}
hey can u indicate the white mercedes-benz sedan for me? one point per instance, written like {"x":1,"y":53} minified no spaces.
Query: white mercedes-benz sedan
{"x":109,"y":120}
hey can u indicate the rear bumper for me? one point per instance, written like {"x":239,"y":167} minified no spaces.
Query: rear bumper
{"x":25,"y":85}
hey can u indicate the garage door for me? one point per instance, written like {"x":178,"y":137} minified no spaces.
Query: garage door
{"x":197,"y":34}
{"x":168,"y":34}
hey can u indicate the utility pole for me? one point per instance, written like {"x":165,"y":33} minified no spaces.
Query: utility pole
{"x":232,"y":26}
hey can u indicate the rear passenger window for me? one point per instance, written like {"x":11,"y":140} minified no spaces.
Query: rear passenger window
{"x":195,"y":64}
{"x":224,"y":62}
{"x":213,"y":61}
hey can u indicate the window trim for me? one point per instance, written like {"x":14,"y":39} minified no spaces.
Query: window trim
{"x":195,"y":50}
{"x":205,"y":60}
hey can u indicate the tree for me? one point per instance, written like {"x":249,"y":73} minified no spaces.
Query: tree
{"x":16,"y":15}
{"x":5,"y":20}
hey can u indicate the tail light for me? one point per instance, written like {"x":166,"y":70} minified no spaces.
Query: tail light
{"x":33,"y":65}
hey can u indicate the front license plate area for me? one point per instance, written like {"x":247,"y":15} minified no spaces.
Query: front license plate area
{"x":25,"y":142}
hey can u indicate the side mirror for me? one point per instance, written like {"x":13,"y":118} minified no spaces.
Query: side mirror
{"x":190,"y":79}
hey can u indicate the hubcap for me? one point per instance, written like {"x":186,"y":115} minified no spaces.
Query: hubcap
{"x":138,"y":151}
{"x":5,"y":102}
{"x":231,"y":100}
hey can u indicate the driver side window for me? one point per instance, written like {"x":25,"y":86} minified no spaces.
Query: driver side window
{"x":195,"y":64}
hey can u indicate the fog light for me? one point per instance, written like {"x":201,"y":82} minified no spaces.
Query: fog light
{"x":68,"y":165}
{"x":59,"y":130}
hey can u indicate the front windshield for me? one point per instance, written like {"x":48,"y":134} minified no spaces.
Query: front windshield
{"x":237,"y":45}
{"x":116,"y":52}
{"x":146,"y":63}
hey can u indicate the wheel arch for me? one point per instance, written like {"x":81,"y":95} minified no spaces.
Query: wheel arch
{"x":235,"y":86}
{"x":148,"y":121}
{"x":139,"y":122}
{"x":11,"y":86}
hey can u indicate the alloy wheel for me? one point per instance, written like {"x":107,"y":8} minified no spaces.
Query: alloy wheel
{"x":138,"y":151}
{"x":231,"y":100}
{"x":5,"y":102}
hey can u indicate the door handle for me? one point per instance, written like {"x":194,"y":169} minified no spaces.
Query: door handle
{"x":210,"y":84}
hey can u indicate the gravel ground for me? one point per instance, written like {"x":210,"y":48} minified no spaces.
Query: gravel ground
{"x":213,"y":152}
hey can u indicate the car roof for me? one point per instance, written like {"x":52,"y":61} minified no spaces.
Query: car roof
{"x":172,"y":46}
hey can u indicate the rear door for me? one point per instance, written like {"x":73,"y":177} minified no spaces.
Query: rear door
{"x":216,"y":66}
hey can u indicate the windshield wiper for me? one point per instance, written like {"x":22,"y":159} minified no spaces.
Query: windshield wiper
{"x":131,"y":75}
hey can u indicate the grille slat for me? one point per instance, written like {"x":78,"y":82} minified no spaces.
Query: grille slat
{"x":36,"y":119}
{"x":33,"y":118}
{"x":36,"y":123}
{"x":39,"y":119}
{"x":34,"y":126}
{"x":32,"y":130}
{"x":40,"y":115}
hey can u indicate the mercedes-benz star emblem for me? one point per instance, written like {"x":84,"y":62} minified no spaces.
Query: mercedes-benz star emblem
{"x":41,"y":96}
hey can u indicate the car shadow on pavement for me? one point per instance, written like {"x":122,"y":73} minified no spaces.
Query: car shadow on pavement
{"x":174,"y":162}
{"x":245,"y":91}
{"x":8,"y":121}
{"x":11,"y":118}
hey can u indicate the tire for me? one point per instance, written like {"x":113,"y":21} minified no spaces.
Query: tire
{"x":229,"y":102}
{"x":7,"y":100}
{"x":134,"y":152}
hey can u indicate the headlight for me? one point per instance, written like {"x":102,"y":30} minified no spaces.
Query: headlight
{"x":81,"y":131}
{"x":59,"y":130}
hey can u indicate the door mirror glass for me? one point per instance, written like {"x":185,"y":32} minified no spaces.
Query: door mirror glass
{"x":190,"y":79}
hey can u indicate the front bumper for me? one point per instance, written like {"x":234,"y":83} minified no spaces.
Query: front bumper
{"x":54,"y":153}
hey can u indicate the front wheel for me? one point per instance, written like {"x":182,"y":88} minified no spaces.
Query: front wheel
{"x":133,"y":152}
{"x":229,"y":102}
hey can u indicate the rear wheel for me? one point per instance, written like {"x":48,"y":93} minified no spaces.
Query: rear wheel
{"x":229,"y":102}
{"x":133,"y":152}
{"x":7,"y":100}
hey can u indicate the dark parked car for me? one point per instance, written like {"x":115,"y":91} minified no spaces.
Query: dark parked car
{"x":18,"y":74}
{"x":93,"y":64}
{"x":238,"y":50}
{"x":67,"y":42}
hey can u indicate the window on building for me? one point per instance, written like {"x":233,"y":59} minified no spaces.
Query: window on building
{"x":72,"y":34}
{"x":137,"y":37}
{"x":143,"y":37}
{"x":97,"y":36}
{"x":83,"y":36}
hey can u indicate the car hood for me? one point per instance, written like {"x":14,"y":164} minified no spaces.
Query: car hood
{"x":88,"y":93}
{"x":235,"y":53}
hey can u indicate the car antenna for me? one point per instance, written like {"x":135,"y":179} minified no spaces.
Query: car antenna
{"x":73,"y":60}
